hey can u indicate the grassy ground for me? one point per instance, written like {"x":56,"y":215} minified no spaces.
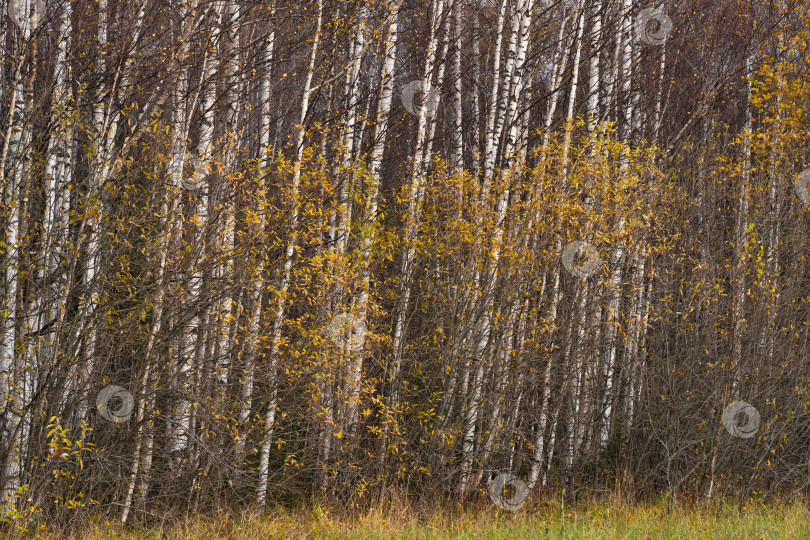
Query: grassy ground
{"x":586,"y":520}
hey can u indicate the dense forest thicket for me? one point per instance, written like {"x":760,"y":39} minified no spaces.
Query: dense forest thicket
{"x":259,"y":251}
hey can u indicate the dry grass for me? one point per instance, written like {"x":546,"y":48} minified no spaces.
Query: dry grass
{"x":593,"y":519}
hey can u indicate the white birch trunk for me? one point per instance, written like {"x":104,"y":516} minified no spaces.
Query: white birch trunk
{"x":593,"y":72}
{"x":286,"y":271}
{"x":741,"y":231}
{"x":491,"y":143}
{"x":11,"y":370}
{"x":415,"y":188}
{"x":144,"y":437}
{"x":257,"y":285}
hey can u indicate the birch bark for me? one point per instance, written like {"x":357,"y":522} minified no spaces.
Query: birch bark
{"x":286,"y":271}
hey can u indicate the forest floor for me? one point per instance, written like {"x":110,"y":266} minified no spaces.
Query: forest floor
{"x":593,"y":519}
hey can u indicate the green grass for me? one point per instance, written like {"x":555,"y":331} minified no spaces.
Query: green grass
{"x":594,"y":519}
